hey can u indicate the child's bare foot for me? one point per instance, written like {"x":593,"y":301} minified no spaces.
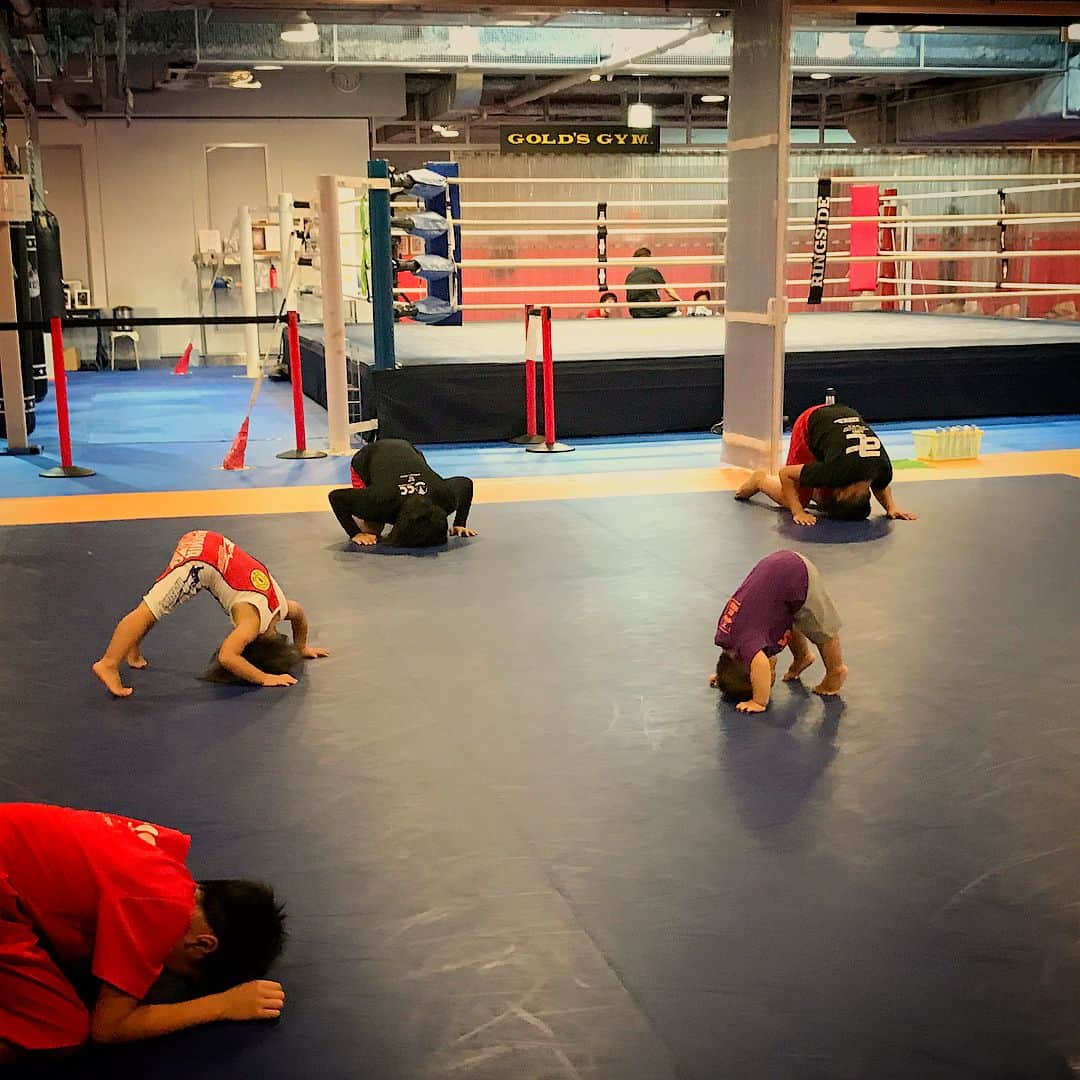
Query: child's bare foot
{"x":751,"y":485}
{"x":832,"y":682}
{"x":109,"y":674}
{"x":798,"y":665}
{"x":135,"y":659}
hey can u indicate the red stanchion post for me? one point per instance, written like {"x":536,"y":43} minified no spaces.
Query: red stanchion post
{"x":296,"y":378}
{"x":550,"y":445}
{"x":530,"y":437}
{"x":65,"y":469}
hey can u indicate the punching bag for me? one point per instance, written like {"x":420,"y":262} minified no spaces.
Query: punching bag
{"x":24,"y":313}
{"x":50,"y":274}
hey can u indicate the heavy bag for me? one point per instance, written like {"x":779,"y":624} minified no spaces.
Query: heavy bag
{"x":23,"y":312}
{"x":50,"y":265}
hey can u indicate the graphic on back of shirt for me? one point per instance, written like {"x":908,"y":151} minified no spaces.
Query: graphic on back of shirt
{"x":208,"y":560}
{"x":860,"y":437}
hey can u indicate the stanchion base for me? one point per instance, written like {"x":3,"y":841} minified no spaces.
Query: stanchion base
{"x":20,"y":451}
{"x":62,"y":472}
{"x":526,"y":440}
{"x":554,"y":448}
{"x":296,"y":455}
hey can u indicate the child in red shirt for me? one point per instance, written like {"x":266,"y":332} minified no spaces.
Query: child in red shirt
{"x":254,"y":652}
{"x":82,"y":888}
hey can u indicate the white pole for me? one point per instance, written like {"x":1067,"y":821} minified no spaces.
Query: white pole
{"x":289,"y":274}
{"x":250,"y":300}
{"x":337,"y":397}
{"x":10,"y":364}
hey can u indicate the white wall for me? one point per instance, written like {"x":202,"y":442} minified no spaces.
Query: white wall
{"x":146,"y":197}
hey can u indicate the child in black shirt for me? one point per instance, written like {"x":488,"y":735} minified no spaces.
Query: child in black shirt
{"x":394,"y":485}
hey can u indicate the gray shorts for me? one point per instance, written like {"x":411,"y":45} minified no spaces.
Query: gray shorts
{"x":818,"y":618}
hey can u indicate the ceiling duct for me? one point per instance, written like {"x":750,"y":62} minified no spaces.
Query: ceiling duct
{"x":458,"y":95}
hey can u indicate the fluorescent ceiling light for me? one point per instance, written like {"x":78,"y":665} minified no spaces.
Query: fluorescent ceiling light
{"x":834,"y":47}
{"x":820,"y":75}
{"x":268,"y":67}
{"x":924,"y":28}
{"x":513,"y":22}
{"x":881,"y":37}
{"x":595,"y":77}
{"x":301,"y":31}
{"x":711,"y":99}
{"x":639,"y":115}
{"x":436,"y":127}
{"x":449,"y":133}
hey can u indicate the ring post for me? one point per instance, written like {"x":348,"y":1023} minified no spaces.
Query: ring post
{"x":65,"y":469}
{"x":296,"y":378}
{"x":549,"y":445}
{"x":530,"y":438}
{"x":382,"y":267}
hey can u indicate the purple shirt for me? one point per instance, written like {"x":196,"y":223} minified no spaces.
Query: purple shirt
{"x":759,"y":617}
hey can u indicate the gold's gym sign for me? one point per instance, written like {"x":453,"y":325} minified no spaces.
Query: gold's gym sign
{"x":579,"y":139}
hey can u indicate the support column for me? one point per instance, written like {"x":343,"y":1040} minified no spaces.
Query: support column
{"x":252,"y":360}
{"x":334,"y":349}
{"x":756,"y":315}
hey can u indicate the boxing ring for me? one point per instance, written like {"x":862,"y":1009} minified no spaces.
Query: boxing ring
{"x":463,"y":384}
{"x":944,"y":334}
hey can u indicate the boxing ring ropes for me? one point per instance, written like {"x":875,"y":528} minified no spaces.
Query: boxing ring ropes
{"x":426,"y":206}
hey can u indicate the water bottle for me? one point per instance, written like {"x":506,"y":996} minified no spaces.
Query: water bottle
{"x":830,"y":396}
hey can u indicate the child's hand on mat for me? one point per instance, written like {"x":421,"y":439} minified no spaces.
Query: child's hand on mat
{"x":803,"y":518}
{"x":365,"y":539}
{"x":258,"y":1000}
{"x":278,"y":680}
{"x":750,"y":706}
{"x":902,"y":515}
{"x":460,"y":530}
{"x":309,"y":652}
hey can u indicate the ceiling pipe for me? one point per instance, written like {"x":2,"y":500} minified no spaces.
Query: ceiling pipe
{"x":100,"y":68}
{"x":28,"y":20}
{"x":699,"y":29}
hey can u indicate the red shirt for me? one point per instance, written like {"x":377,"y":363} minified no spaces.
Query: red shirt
{"x":99,"y":887}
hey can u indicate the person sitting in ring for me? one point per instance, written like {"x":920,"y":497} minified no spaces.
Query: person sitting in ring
{"x":644,"y":284}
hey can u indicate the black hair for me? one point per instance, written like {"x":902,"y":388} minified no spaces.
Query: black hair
{"x":276,"y":655}
{"x":421,"y":522}
{"x":733,"y":678}
{"x":857,"y":509}
{"x":249,"y":924}
{"x":642,"y":253}
{"x":607,"y":296}
{"x":703,"y":294}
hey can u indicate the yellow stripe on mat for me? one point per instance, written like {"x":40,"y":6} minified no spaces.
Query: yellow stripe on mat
{"x":130,"y":506}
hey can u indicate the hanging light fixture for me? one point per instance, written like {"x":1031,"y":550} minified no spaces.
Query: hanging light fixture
{"x":300,"y":31}
{"x":639,"y":114}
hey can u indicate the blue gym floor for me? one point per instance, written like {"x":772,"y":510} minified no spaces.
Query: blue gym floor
{"x":151,"y":431}
{"x":521,"y":839}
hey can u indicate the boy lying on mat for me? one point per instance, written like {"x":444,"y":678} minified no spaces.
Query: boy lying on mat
{"x":253,"y":652}
{"x":834,"y":462}
{"x":107,"y":903}
{"x":781,"y":604}
{"x":394,"y":485}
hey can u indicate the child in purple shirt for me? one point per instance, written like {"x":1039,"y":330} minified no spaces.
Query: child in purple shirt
{"x":781,"y":604}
